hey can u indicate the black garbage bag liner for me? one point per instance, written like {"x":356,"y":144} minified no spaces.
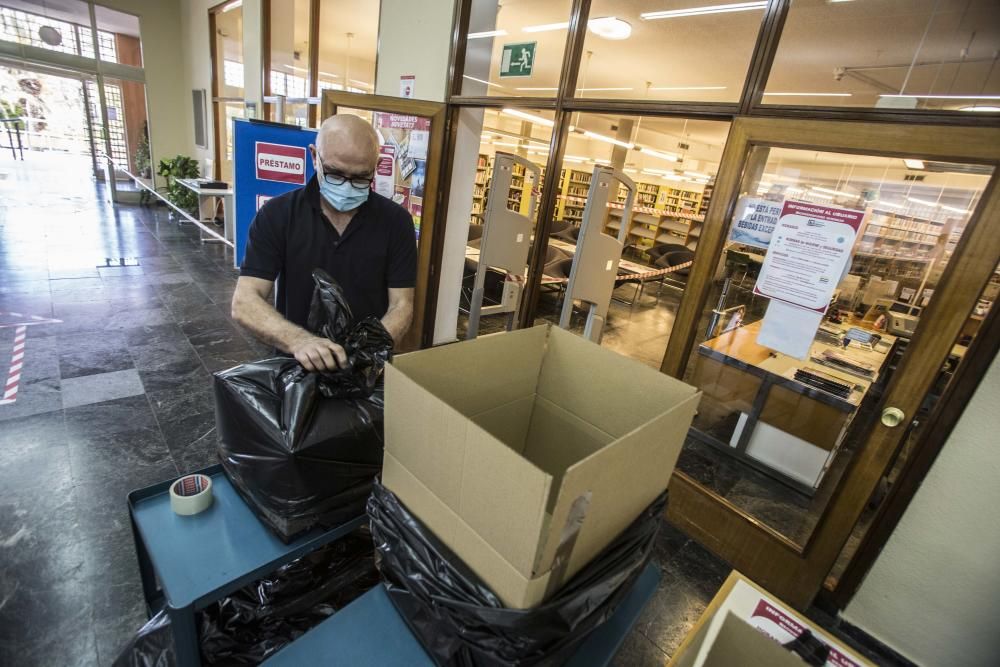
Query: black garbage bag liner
{"x":258,"y":620}
{"x":152,"y":646}
{"x":303,"y":448}
{"x":461,"y":622}
{"x":254,"y":623}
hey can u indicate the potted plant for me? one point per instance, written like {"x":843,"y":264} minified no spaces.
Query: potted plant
{"x":180,"y":166}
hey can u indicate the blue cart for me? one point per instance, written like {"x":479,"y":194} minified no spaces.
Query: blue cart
{"x":188,"y":562}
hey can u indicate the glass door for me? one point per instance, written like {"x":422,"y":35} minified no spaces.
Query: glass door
{"x":834,"y":284}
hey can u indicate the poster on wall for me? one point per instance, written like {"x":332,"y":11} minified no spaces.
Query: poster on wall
{"x":809,"y":252}
{"x":385,"y":171}
{"x":404,"y":138}
{"x":754,"y":221}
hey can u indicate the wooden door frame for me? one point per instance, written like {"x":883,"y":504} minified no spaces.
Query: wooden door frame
{"x":432,"y":224}
{"x":791,"y":571}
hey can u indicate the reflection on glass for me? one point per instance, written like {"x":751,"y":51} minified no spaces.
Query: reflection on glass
{"x":515,"y":48}
{"x":64,"y":28}
{"x":628,"y":47}
{"x":907,"y":449}
{"x":51,"y":110}
{"x":349,"y":42}
{"x":227,"y":112}
{"x":289,"y":73}
{"x":938,"y":55}
{"x":789,"y":391}
{"x":672,"y":163}
{"x":482,"y":136}
{"x":229,"y":82}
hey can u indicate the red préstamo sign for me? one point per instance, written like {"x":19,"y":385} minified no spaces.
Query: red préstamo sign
{"x":278,"y":162}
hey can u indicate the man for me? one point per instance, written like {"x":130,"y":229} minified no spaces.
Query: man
{"x":365,"y":241}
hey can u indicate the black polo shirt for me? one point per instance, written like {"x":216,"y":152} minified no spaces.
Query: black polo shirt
{"x":289,"y":237}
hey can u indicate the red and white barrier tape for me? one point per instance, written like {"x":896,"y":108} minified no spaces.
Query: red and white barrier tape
{"x":16,"y":363}
{"x":628,"y":277}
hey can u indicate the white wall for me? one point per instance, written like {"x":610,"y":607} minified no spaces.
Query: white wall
{"x":934,"y":591}
{"x":414,"y":38}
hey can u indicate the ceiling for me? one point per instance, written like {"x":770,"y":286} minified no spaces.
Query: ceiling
{"x":874,"y":41}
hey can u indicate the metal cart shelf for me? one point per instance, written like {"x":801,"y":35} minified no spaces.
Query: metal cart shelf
{"x":188,"y":562}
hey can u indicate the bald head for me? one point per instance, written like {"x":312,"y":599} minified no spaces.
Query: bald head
{"x":347,"y":144}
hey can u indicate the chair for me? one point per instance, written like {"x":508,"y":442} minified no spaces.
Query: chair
{"x":559,"y":269}
{"x":558,"y":227}
{"x":570,"y":234}
{"x":678,"y":278}
{"x":661,"y":249}
{"x":475,"y":232}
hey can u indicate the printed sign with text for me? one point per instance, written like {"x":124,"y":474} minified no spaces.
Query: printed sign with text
{"x":278,"y":162}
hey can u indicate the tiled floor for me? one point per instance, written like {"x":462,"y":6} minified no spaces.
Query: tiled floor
{"x":115,"y":395}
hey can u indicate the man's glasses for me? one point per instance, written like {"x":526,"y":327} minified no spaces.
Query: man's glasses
{"x":336,"y":178}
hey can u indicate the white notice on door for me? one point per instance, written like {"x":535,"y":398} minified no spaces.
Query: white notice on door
{"x":789,"y":329}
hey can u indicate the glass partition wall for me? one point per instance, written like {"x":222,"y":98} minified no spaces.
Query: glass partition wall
{"x":653,"y":92}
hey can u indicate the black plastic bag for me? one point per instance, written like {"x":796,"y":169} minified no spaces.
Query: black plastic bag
{"x":461,"y":622}
{"x":303,"y":448}
{"x":152,"y":646}
{"x":257,"y":621}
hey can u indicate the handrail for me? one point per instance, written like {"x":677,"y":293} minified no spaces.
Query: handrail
{"x":187,"y":216}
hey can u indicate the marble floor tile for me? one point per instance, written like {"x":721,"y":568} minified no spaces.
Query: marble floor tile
{"x":101,"y":387}
{"x":93,"y":353}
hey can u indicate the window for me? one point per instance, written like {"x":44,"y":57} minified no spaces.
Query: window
{"x":232,"y":73}
{"x":69,"y":37}
{"x":937,"y":55}
{"x":347,"y":49}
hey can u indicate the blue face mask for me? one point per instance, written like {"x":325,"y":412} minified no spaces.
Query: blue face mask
{"x":343,"y":197}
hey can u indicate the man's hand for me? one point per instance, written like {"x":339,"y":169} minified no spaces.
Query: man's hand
{"x":316,"y":353}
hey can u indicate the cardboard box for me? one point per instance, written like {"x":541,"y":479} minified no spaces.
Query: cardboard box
{"x":745,"y":625}
{"x":528,"y":452}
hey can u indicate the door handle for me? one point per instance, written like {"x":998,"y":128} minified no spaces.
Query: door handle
{"x":892,"y":417}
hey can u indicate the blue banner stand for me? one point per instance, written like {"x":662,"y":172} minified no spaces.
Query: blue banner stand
{"x":269,"y":159}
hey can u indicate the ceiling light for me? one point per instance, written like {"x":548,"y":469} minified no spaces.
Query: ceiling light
{"x":914,"y":164}
{"x":590,"y":90}
{"x":361,"y":83}
{"x":947,"y":97}
{"x":652,"y":170}
{"x":888,"y":203}
{"x":536,"y":89}
{"x":332,"y":76}
{"x":688,"y":88}
{"x":954,"y":209}
{"x":472,"y":78}
{"x":610,"y":27}
{"x":807,"y":94}
{"x":697,"y":174}
{"x":607,"y":140}
{"x":669,"y":157}
{"x":232,"y":5}
{"x":296,"y":67}
{"x":843,"y":193}
{"x":527,"y":116}
{"x":794,"y":191}
{"x":508,"y":144}
{"x":486,"y":33}
{"x":698,"y":11}
{"x":570,"y":158}
{"x":818,"y":195}
{"x":630,"y":171}
{"x":982,"y":108}
{"x":545,"y":27}
{"x":923,"y":202}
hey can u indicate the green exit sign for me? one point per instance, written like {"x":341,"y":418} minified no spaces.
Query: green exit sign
{"x":517,"y":59}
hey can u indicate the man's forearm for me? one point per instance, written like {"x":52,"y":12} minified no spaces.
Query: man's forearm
{"x":397,"y":321}
{"x":267,"y":324}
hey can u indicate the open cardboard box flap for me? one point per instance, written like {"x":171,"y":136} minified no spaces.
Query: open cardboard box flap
{"x":508,"y":432}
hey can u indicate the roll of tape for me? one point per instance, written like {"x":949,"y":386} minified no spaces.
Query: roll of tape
{"x":191,"y":494}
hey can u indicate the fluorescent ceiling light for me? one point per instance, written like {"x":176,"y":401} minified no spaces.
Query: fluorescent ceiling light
{"x":607,"y":140}
{"x":232,"y":5}
{"x":914,"y":164}
{"x":570,"y":158}
{"x":630,"y":171}
{"x":536,"y":89}
{"x":361,"y":83}
{"x":698,"y":174}
{"x":844,"y":193}
{"x":610,"y":27}
{"x":505,"y":143}
{"x":527,"y":116}
{"x":698,"y":11}
{"x":669,"y":157}
{"x":486,"y":33}
{"x":472,"y":78}
{"x":889,"y":203}
{"x":301,"y":69}
{"x":688,"y":88}
{"x":545,"y":27}
{"x":794,"y":191}
{"x":588,"y":90}
{"x":808,"y":94}
{"x":332,"y":76}
{"x":820,"y":195}
{"x":947,"y":97}
{"x":652,"y":170}
{"x":923,"y":202}
{"x":982,"y":108}
{"x":954,"y":209}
